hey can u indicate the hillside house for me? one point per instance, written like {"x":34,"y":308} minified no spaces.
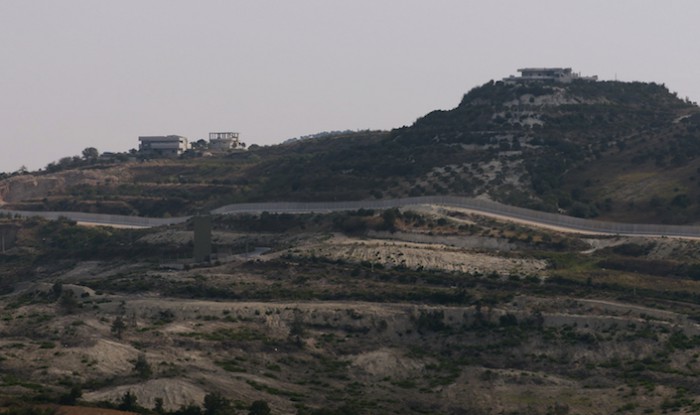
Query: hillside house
{"x":169,"y":145}
{"x":547,"y":75}
{"x":223,"y":141}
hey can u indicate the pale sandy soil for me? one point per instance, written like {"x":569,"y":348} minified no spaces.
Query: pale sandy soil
{"x":25,"y":187}
{"x":117,"y":356}
{"x":414,"y":256}
{"x":387,"y":362}
{"x":174,"y":392}
{"x":103,"y":356}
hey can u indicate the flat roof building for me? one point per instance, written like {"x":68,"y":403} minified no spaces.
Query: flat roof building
{"x":547,"y":75}
{"x":223,"y":141}
{"x":164,"y":145}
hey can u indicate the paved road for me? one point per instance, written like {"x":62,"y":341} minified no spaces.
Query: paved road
{"x":537,"y":218}
{"x":562,"y":222}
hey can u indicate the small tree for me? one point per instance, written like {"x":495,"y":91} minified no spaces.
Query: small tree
{"x":128,"y":402}
{"x":259,"y":408}
{"x":118,"y":327}
{"x":57,"y":290}
{"x":216,"y":404}
{"x":200,"y":145}
{"x":68,"y":303}
{"x":91,"y":153}
{"x":158,"y":408}
{"x":65,"y":162}
{"x":390,"y":216}
{"x":296,"y":329}
{"x":71,"y":398}
{"x":142,"y":367}
{"x":189,"y":409}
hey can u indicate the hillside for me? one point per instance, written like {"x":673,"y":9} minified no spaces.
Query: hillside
{"x":428,"y":310}
{"x":612,"y":150}
{"x":561,"y":146}
{"x":416,"y":310}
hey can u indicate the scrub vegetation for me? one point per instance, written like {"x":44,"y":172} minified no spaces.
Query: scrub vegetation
{"x":400,"y":311}
{"x":308,"y":326}
{"x":610,"y":150}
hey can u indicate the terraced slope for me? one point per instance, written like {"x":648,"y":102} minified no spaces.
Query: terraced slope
{"x":612,"y":150}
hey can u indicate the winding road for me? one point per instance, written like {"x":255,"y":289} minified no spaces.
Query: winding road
{"x":479,"y":206}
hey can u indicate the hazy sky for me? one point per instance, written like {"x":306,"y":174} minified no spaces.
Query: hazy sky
{"x":81,"y":73}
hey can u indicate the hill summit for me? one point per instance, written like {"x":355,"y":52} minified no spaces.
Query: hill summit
{"x":625,"y":151}
{"x":588,"y":148}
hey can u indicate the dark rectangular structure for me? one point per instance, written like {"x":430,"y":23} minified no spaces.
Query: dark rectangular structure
{"x":202,"y":238}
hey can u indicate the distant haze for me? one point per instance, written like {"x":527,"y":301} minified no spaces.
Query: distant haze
{"x":81,"y":73}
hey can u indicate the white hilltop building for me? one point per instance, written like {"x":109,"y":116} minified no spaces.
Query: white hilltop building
{"x":563,"y":75}
{"x":163,"y":145}
{"x":175,"y":145}
{"x":223,"y":141}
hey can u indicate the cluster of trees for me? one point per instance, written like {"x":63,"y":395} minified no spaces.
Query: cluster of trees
{"x":662,"y":268}
{"x":62,"y":238}
{"x":497,"y":92}
{"x":89,"y":155}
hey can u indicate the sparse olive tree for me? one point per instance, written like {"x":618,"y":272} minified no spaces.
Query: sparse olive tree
{"x":91,"y":153}
{"x":216,"y":404}
{"x":158,"y":408}
{"x":57,"y":290}
{"x":68,"y":302}
{"x":71,"y":398}
{"x":127,"y":402}
{"x":259,"y":408}
{"x":142,"y":368}
{"x":118,"y":327}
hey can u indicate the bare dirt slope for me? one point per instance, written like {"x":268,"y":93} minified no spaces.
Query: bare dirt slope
{"x":454,"y":315}
{"x":32,"y":187}
{"x":425,"y":256}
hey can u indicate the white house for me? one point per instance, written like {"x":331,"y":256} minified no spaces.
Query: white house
{"x":547,"y":75}
{"x":223,"y":141}
{"x":169,"y":145}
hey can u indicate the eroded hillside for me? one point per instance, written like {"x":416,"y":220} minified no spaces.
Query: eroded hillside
{"x":404,"y":311}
